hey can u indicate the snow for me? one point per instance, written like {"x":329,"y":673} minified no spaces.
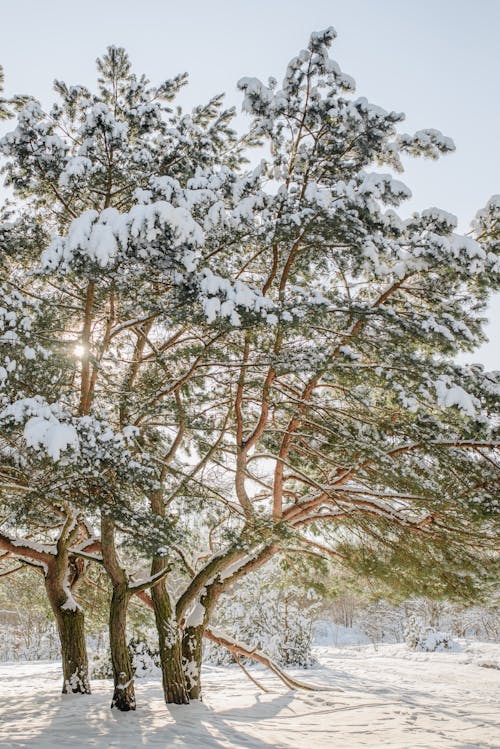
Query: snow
{"x":51,"y":435}
{"x":102,"y":237}
{"x":391,"y":697}
{"x":196,"y":616}
{"x":76,"y":166}
{"x":236,"y":295}
{"x":455,"y":396}
{"x":70,"y":604}
{"x":331,"y":634}
{"x":440,"y":217}
{"x":384,"y":186}
{"x":430,"y":142}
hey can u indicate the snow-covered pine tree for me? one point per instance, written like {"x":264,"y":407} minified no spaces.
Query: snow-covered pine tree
{"x":37,"y":526}
{"x":350,"y":429}
{"x":121,"y":264}
{"x":273,"y":349}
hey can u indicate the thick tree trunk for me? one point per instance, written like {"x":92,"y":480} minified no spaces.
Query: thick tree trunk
{"x":70,"y":621}
{"x":169,"y":638}
{"x":71,"y":626}
{"x":192,"y":646}
{"x":174,"y":682}
{"x":124,"y":692}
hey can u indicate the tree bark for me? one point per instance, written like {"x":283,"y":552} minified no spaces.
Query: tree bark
{"x":71,"y":626}
{"x":169,"y":638}
{"x":170,"y":643}
{"x":123,"y":675}
{"x":70,"y":621}
{"x":192,"y":646}
{"x":124,"y":692}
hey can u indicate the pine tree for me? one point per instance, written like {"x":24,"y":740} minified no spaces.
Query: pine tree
{"x":368,"y":443}
{"x":230,"y":364}
{"x":109,"y":288}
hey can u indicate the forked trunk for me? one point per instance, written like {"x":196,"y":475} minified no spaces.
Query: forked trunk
{"x":170,"y":643}
{"x":124,"y":692}
{"x":192,"y":644}
{"x":192,"y":640}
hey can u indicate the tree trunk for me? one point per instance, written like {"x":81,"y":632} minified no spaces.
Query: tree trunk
{"x":193,"y":628}
{"x":174,"y":682}
{"x":192,"y":642}
{"x":70,"y":621}
{"x":124,"y":693}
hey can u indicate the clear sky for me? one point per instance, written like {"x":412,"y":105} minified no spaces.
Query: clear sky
{"x":436,"y":60}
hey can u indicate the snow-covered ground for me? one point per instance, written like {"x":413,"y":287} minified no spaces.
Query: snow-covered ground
{"x":391,"y":697}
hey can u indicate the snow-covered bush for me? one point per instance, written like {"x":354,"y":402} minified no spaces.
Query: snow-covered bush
{"x":410,"y":620}
{"x":271,"y":616}
{"x":419,"y":636}
{"x":381,"y":622}
{"x":100,"y":665}
{"x":27,"y":628}
{"x":480,"y":622}
{"x":145,"y":658}
{"x":35,"y":644}
{"x":145,"y":661}
{"x":434,"y":641}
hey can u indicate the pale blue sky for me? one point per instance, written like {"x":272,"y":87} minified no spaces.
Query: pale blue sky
{"x":436,"y":61}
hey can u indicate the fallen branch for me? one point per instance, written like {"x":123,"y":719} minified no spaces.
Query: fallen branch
{"x":247,"y":673}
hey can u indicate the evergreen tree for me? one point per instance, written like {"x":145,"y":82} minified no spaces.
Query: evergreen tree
{"x":93,"y":432}
{"x":229,"y":364}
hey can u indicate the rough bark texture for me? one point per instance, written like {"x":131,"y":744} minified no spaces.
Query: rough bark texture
{"x":170,"y":643}
{"x":71,"y":627}
{"x":70,"y":621}
{"x":124,"y":692}
{"x":192,"y":642}
{"x":169,"y":638}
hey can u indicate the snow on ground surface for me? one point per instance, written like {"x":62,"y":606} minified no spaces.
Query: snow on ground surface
{"x":391,"y":697}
